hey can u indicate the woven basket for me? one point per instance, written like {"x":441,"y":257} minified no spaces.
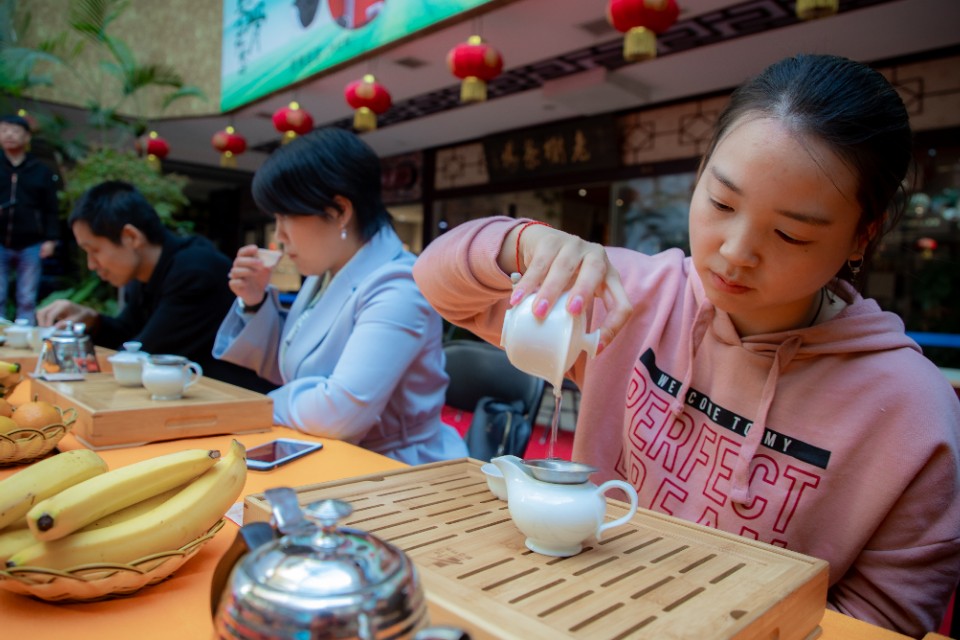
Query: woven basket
{"x":101,"y":581}
{"x":23,"y":446}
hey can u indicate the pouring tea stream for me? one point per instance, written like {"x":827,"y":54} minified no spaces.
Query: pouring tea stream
{"x":547,"y":347}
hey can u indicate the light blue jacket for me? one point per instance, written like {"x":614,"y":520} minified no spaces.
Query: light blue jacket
{"x":366,"y":366}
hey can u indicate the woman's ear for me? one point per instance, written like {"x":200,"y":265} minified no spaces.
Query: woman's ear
{"x":345,"y":215}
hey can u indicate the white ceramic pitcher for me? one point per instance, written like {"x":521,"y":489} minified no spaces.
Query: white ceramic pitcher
{"x":166,"y":377}
{"x":558,"y":518}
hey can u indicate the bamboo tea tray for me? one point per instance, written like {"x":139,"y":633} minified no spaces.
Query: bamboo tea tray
{"x":110,"y":415}
{"x":655,"y":577}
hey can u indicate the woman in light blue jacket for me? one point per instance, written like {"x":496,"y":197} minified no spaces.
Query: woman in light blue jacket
{"x":359,"y":354}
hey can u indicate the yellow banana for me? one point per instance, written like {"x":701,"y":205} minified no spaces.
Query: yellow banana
{"x":45,"y":478}
{"x":182,"y":518}
{"x":9,"y":367}
{"x":13,"y":539}
{"x":85,"y":502}
{"x":130,"y":512}
{"x":18,"y":536}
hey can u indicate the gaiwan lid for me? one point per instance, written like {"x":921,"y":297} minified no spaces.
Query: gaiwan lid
{"x":131,"y":353}
{"x":322,"y":565}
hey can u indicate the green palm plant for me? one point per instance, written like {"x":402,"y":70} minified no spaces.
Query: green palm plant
{"x":116,"y":87}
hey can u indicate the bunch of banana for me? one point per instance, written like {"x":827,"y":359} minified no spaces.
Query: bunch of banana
{"x":41,"y":480}
{"x":138,"y":510}
{"x":86,"y":502}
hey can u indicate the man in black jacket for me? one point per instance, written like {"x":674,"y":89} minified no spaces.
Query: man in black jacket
{"x":175,"y":288}
{"x":29,"y":224}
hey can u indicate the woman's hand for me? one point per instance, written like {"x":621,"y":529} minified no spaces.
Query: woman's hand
{"x":249,"y":277}
{"x":553,"y":262}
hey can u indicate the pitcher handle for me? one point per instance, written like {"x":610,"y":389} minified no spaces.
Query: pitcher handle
{"x":196,"y":372}
{"x":631,"y":494}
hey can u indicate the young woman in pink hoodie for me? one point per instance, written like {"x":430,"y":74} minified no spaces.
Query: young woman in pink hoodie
{"x":749,"y":386}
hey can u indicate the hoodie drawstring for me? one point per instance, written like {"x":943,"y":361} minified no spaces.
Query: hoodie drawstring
{"x":740,"y":481}
{"x":700,"y":325}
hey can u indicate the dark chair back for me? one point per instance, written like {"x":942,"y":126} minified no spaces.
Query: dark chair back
{"x":479,"y":369}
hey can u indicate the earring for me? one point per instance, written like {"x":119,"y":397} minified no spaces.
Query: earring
{"x":855,"y":264}
{"x":343,"y":233}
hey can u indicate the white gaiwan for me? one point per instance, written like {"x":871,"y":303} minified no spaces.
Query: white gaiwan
{"x":128,"y":364}
{"x":546,"y":348}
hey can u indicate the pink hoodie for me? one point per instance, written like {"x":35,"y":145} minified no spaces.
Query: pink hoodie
{"x":839,"y":441}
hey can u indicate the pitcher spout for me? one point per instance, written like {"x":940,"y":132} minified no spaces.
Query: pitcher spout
{"x":513,"y":470}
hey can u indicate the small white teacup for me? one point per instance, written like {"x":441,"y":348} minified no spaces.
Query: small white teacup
{"x":495,"y":481}
{"x":269,"y":257}
{"x":167,"y":377}
{"x":18,"y":335}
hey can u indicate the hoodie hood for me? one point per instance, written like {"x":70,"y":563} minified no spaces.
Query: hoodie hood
{"x":861,"y":327}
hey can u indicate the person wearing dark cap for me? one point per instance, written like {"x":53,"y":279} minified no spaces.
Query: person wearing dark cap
{"x":29,"y":223}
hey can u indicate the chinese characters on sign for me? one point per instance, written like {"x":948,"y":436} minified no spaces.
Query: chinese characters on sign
{"x":585,"y":145}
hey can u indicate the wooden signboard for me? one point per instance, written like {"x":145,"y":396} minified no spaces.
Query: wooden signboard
{"x":655,"y":577}
{"x":111,"y":415}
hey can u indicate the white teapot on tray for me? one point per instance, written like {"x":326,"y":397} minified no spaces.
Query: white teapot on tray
{"x":558,"y":514}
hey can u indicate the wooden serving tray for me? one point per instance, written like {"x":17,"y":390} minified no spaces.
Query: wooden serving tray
{"x":110,"y":415}
{"x":655,"y":577}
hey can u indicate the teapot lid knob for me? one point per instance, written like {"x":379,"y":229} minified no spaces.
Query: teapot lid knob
{"x":132,"y":345}
{"x":328,"y":512}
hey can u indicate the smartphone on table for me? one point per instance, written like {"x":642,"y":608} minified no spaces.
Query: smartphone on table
{"x":270,"y":455}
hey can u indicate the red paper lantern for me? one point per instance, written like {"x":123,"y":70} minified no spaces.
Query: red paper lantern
{"x":154,"y":147}
{"x":369,"y":98}
{"x":641,"y":21}
{"x":811,"y":9}
{"x":292,"y":121}
{"x":230,"y":144}
{"x":476,"y":64}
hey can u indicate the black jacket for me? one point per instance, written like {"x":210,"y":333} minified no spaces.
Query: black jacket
{"x":180,"y":309}
{"x":28,"y":203}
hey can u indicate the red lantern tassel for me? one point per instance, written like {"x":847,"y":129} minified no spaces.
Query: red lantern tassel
{"x":812,"y":9}
{"x":473,"y":89}
{"x":639,"y":44}
{"x":364,"y":119}
{"x":228,"y":159}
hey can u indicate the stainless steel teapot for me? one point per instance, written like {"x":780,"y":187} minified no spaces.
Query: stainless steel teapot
{"x":68,"y":351}
{"x":312,"y":579}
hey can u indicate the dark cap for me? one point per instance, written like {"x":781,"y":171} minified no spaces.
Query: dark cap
{"x":17,"y":120}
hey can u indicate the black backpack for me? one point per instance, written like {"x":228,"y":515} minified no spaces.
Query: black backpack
{"x":498,"y":428}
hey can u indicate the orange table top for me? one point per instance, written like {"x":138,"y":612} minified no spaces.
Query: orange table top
{"x":179,"y":606}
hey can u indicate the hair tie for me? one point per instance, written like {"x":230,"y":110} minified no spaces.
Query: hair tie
{"x":519,"y":235}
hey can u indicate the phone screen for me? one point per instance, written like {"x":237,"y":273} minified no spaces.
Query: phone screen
{"x":272,"y":454}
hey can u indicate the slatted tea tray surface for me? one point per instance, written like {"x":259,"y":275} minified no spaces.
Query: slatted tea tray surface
{"x":655,"y":577}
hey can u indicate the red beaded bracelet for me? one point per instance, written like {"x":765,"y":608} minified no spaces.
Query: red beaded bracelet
{"x":522,"y":229}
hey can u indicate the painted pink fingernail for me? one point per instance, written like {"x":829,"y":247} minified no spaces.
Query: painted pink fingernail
{"x":540,"y":310}
{"x":516,"y":296}
{"x":576,"y":305}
